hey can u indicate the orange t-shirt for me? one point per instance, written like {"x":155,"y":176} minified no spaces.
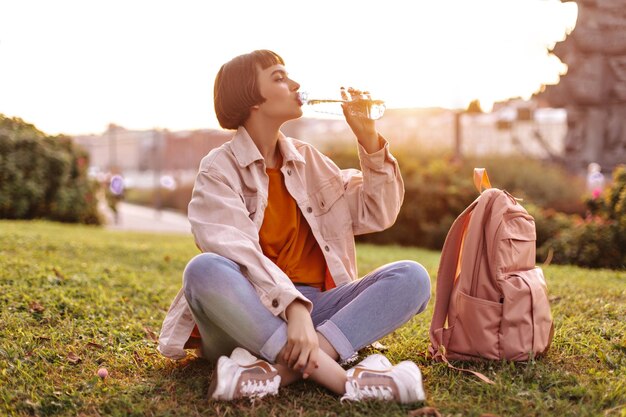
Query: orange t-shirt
{"x":287,"y":240}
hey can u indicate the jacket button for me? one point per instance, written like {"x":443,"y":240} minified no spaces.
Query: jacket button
{"x":326,"y":248}
{"x":309,"y":209}
{"x":275,"y":303}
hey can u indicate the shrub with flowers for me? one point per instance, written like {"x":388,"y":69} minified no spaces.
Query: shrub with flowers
{"x":598,"y":240}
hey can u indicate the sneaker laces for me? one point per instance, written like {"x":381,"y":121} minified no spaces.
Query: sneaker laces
{"x":354,"y":392}
{"x":259,"y":389}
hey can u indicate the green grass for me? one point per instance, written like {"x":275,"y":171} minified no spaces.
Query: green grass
{"x":74,"y":298}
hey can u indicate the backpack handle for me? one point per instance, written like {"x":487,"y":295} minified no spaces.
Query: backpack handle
{"x":481,"y":179}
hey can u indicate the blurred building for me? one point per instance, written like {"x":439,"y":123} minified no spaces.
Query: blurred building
{"x":513,"y":127}
{"x":143,"y":156}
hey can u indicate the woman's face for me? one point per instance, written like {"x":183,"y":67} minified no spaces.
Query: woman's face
{"x":280,"y":93}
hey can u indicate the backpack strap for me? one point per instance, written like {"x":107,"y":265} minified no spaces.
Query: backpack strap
{"x":448,"y":266}
{"x":479,"y":375}
{"x":448,"y":269}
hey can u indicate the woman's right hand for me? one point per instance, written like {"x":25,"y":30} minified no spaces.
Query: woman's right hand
{"x":302,"y":348}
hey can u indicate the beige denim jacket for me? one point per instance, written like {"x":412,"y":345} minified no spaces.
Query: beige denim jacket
{"x":228,"y":203}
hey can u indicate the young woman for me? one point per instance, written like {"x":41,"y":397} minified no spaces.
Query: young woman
{"x":276,"y":284}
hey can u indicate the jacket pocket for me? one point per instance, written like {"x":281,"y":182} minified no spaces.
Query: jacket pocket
{"x":327,"y":196}
{"x":331,"y":210}
{"x":477,"y":327}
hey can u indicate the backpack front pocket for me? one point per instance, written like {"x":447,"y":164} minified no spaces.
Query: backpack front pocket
{"x":517,"y":240}
{"x":477,"y":327}
{"x":526,"y":318}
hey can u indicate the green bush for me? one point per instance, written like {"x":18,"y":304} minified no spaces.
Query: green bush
{"x":598,"y":241}
{"x":544,"y":184}
{"x":591,"y":243}
{"x":438,"y":189}
{"x":43,"y":176}
{"x":550,"y":223}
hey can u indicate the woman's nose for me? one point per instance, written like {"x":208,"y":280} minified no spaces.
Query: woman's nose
{"x":294,"y":85}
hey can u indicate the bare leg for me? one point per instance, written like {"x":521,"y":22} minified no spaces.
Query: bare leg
{"x":327,"y":347}
{"x":329,"y":373}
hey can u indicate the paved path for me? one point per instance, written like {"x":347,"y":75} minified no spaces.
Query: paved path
{"x":144,"y":219}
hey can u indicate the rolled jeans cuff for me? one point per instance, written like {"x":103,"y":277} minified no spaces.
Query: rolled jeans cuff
{"x":337,"y":339}
{"x":274,"y":344}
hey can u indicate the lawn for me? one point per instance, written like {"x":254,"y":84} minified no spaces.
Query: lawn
{"x":76,"y":298}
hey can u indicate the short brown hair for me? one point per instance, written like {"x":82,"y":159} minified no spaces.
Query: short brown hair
{"x":236,"y":91}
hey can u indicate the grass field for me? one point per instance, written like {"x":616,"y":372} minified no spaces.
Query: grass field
{"x":75,"y":298}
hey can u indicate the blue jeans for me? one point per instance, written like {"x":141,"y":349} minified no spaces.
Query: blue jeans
{"x":229,"y":313}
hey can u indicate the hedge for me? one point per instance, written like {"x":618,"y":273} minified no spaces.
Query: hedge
{"x":44,"y":176}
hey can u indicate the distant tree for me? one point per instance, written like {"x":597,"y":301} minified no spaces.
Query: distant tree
{"x":474,"y":107}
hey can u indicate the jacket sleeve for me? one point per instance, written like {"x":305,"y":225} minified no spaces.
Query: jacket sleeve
{"x":221,"y":225}
{"x":375,"y":193}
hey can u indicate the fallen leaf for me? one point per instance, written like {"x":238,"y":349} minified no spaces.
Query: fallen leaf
{"x":31,"y":403}
{"x":150,"y":334}
{"x":167,"y":258}
{"x":73,"y":358}
{"x":43,"y":338}
{"x":425,"y":411}
{"x":379,"y":346}
{"x":35,"y":307}
{"x":94,"y":345}
{"x":58,"y":273}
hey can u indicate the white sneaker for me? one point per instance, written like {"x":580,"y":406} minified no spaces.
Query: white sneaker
{"x":243,"y":376}
{"x":375,"y":378}
{"x":376,"y":361}
{"x":243,"y":357}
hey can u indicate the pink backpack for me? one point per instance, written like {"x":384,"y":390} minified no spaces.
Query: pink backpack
{"x":491,"y":300}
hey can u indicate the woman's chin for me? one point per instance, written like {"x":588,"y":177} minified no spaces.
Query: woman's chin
{"x":296,"y":115}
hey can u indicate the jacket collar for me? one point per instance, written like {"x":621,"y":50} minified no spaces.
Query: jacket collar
{"x":246,"y":152}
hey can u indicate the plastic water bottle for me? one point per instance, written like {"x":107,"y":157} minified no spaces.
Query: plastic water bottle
{"x":361,"y":105}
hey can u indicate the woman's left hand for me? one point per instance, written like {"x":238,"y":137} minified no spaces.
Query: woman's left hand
{"x":302,"y":348}
{"x":363,"y":128}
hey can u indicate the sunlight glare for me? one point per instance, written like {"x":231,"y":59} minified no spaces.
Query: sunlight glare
{"x":144,"y":63}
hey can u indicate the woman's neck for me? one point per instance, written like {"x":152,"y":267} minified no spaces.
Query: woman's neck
{"x":266,"y":140}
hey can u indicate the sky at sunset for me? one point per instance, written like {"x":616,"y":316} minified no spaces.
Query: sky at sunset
{"x":73,"y":67}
